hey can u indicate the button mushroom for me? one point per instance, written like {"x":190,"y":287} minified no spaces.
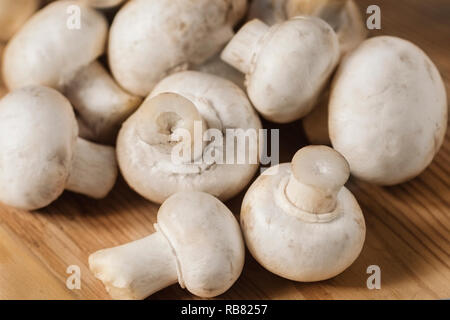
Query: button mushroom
{"x":152,"y":39}
{"x":286,"y":65}
{"x":342,"y":15}
{"x":197,"y":243}
{"x":47,"y":52}
{"x":146,"y":142}
{"x":298,"y":219}
{"x":388,"y":110}
{"x":41,"y":154}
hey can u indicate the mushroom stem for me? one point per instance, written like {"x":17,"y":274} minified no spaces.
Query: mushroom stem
{"x":137,"y":269}
{"x":318,"y":174}
{"x":94,"y":169}
{"x":240,"y":50}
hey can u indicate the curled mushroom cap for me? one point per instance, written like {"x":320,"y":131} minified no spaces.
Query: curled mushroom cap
{"x":388,"y":110}
{"x":13,"y":14}
{"x":47,"y":52}
{"x":41,"y":154}
{"x":342,"y":15}
{"x":298,"y":219}
{"x":152,"y":39}
{"x":286,"y":65}
{"x":197,"y":243}
{"x":150,"y":138}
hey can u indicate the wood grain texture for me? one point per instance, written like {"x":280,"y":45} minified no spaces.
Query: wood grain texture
{"x":408,"y":226}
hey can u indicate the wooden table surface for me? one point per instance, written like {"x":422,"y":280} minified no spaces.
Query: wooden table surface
{"x":408,"y":226}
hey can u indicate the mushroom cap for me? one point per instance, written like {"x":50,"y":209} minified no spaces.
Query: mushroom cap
{"x":291,"y":67}
{"x":296,"y":244}
{"x":151,"y":172}
{"x":152,"y":39}
{"x":206,"y":239}
{"x":37,"y":133}
{"x":388,"y":110}
{"x":14,"y":13}
{"x":47,"y":52}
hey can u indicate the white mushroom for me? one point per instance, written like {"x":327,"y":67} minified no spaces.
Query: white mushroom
{"x":286,"y":65}
{"x":197,"y":243}
{"x":41,"y":154}
{"x":13,"y":14}
{"x":46,"y":51}
{"x":342,"y":15}
{"x":388,"y":110}
{"x":298,"y":219}
{"x":152,"y":39}
{"x":147,"y":141}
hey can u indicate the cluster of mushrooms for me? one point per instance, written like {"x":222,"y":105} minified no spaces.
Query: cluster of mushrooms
{"x":69,"y":121}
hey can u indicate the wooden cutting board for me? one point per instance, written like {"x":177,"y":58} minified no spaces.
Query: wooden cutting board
{"x":408,"y":226}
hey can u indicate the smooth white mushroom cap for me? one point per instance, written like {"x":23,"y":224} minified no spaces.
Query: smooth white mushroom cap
{"x":37,"y":134}
{"x":152,"y":39}
{"x":13,"y":14}
{"x":294,"y":242}
{"x":46,"y":52}
{"x":206,"y":239}
{"x":145,"y":157}
{"x":286,"y":66}
{"x":388,"y":110}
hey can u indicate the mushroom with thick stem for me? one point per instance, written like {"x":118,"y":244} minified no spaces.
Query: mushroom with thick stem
{"x":286,"y":65}
{"x":214,"y":161}
{"x":388,"y":110}
{"x":152,"y":39}
{"x":197,"y":243}
{"x":13,"y":14}
{"x":342,"y":15}
{"x":68,"y":65}
{"x":298,"y":219}
{"x":42,"y":155}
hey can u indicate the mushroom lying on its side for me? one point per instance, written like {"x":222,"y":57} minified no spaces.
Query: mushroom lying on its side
{"x":298,"y":219}
{"x":286,"y":66}
{"x":388,"y":110}
{"x":197,"y":243}
{"x":152,"y":39}
{"x":342,"y":15}
{"x":47,"y":51}
{"x":41,"y":154}
{"x":149,"y":139}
